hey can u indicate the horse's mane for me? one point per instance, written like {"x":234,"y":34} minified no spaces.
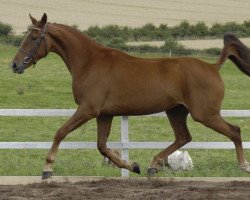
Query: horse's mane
{"x":74,"y":30}
{"x":69,"y":28}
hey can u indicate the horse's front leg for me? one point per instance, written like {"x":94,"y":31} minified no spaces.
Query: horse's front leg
{"x":103,"y":131}
{"x":78,"y":118}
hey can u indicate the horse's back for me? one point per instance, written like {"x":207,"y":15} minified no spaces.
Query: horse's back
{"x":153,"y":85}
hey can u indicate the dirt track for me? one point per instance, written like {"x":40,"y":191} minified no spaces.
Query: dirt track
{"x":129,"y":189}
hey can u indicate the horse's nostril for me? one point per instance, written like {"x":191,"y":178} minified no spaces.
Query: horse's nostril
{"x":13,"y":65}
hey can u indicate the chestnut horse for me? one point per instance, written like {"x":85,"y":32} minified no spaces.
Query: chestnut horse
{"x":107,"y":82}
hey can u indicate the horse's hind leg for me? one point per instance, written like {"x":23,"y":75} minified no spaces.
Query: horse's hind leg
{"x":103,"y":130}
{"x":177,"y":118}
{"x":217,"y":123}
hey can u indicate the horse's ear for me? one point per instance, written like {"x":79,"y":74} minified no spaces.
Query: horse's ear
{"x":33,"y":20}
{"x":43,"y":21}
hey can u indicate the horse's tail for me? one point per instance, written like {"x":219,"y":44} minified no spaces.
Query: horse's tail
{"x":237,"y":52}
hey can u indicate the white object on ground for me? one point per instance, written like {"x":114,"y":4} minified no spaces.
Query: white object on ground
{"x":180,"y":161}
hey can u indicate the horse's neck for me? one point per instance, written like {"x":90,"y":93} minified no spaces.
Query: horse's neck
{"x":75,"y":49}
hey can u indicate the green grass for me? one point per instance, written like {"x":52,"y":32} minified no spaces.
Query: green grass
{"x":24,"y":129}
{"x":81,"y":162}
{"x":48,"y":85}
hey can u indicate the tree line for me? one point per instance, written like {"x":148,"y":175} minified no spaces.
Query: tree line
{"x":184,"y":30}
{"x":117,"y":36}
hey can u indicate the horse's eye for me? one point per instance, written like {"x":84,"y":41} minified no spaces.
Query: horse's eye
{"x":33,"y":38}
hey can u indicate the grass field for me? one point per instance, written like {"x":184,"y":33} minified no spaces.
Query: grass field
{"x":48,"y":85}
{"x":130,"y":13}
{"x":207,"y":163}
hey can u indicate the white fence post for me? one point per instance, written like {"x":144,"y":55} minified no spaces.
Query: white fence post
{"x":124,"y":139}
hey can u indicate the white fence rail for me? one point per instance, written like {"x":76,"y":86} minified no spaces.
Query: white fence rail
{"x":124,"y":145}
{"x":69,"y":112}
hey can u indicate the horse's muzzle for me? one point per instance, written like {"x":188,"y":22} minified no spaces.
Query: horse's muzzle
{"x":17,"y":69}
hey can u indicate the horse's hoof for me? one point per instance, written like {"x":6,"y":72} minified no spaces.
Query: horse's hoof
{"x":136,"y":168}
{"x":152,"y":171}
{"x":46,"y":174}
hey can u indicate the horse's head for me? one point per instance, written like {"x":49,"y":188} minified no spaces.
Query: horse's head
{"x":35,"y":46}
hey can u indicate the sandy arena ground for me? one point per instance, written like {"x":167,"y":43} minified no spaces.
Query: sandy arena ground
{"x":129,"y":189}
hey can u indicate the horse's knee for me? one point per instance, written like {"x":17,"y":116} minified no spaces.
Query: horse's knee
{"x":236,"y":134}
{"x":59,"y":136}
{"x":236,"y":129}
{"x":184,"y":140}
{"x":102,"y":149}
{"x":188,"y":139}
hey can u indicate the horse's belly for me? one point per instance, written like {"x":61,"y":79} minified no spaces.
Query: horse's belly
{"x":138,"y":106}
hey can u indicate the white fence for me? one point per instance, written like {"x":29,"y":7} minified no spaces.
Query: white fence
{"x":124,"y":144}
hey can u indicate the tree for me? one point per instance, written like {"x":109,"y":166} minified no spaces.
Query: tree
{"x":216,"y":30}
{"x":246,"y":25}
{"x":5,"y":29}
{"x":171,"y":44}
{"x":184,"y":29}
{"x":201,"y":29}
